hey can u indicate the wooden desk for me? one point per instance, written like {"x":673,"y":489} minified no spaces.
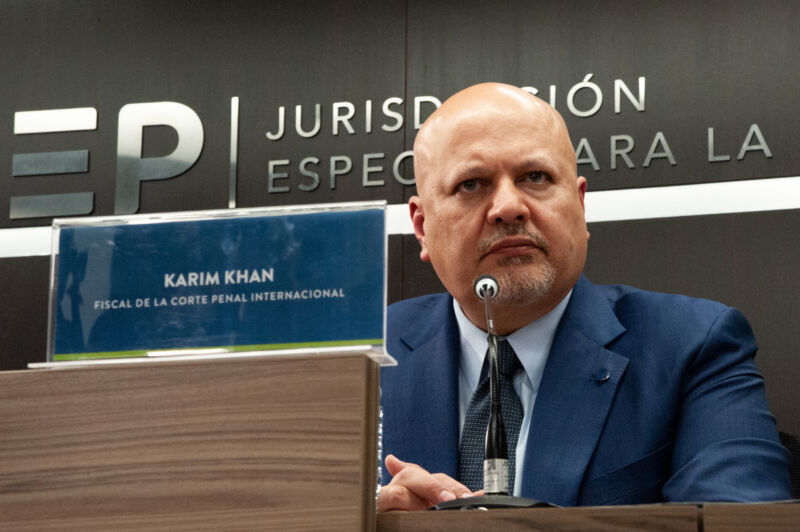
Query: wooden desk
{"x":750,"y":517}
{"x":678,"y":518}
{"x":649,"y":518}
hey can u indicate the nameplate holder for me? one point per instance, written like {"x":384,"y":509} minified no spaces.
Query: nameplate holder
{"x":303,"y":279}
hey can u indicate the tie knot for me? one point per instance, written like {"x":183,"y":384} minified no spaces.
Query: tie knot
{"x":507,"y":361}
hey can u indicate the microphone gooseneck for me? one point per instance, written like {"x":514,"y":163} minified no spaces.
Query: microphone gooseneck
{"x":495,"y":462}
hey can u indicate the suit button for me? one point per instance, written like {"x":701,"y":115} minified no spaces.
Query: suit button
{"x":602,"y":375}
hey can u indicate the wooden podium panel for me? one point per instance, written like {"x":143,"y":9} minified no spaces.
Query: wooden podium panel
{"x":750,"y":517}
{"x":671,"y":518}
{"x":262,"y":443}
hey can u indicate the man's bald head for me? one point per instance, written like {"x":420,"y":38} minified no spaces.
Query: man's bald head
{"x":481,"y":102}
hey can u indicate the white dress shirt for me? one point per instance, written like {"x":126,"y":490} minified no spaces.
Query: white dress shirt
{"x":532,"y":346}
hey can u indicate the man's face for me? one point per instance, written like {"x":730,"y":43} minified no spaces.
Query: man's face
{"x":499,"y":194}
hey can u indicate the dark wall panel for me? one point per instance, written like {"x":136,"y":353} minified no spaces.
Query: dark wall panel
{"x":23,"y":314}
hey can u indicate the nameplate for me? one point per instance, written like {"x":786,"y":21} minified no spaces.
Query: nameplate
{"x":218,"y":281}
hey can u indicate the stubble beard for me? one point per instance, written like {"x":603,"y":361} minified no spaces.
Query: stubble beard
{"x":520,"y":284}
{"x":521,"y":287}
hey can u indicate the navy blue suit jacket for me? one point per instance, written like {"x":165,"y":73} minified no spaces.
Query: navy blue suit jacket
{"x":682,"y":417}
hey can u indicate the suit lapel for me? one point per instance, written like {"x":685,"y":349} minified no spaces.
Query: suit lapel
{"x":578,"y":386}
{"x":430,"y":371}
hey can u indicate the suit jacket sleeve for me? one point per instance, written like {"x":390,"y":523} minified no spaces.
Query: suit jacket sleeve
{"x":726,"y":445}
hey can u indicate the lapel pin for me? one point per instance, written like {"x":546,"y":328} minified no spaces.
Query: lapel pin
{"x":602,"y":375}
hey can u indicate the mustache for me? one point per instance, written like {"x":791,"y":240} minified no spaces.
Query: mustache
{"x":504,"y":231}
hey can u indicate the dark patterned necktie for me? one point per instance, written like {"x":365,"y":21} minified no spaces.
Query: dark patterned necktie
{"x":473,"y":436}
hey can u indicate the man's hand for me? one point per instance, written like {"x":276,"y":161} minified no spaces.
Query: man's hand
{"x":413,"y":488}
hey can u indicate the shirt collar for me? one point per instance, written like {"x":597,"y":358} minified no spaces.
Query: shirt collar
{"x":531,"y":343}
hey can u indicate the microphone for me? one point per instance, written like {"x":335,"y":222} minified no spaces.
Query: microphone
{"x":495,"y":463}
{"x":486,"y":286}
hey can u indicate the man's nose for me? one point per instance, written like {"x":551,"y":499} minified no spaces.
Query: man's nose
{"x":508,"y":204}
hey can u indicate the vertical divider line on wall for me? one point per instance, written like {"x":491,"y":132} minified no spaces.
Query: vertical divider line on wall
{"x":234,"y":160}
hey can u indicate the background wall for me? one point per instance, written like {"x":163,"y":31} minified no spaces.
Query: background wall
{"x":698,"y":73}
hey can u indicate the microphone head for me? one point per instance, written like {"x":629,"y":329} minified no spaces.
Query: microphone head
{"x":486,"y":287}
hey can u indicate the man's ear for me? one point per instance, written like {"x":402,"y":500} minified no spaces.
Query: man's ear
{"x":582,"y":191}
{"x":418,"y":220}
{"x":582,"y":197}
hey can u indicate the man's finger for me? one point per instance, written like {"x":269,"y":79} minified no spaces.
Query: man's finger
{"x":413,"y":488}
{"x":431,"y":488}
{"x":396,"y":497}
{"x":394,"y":465}
{"x":435,"y":492}
{"x":457,"y":488}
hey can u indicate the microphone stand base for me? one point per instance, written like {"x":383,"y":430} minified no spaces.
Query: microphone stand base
{"x":484,"y":502}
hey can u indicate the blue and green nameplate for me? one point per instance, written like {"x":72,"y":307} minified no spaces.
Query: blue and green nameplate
{"x":234,"y":280}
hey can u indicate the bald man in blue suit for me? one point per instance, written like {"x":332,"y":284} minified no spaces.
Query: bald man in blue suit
{"x":631,"y":396}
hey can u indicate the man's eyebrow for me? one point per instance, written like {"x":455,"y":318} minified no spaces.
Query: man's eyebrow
{"x":542,"y":161}
{"x":469,"y":169}
{"x":539,"y":163}
{"x":477,"y":169}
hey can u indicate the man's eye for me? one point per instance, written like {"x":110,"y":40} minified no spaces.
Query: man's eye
{"x":469,"y":184}
{"x":536,"y":177}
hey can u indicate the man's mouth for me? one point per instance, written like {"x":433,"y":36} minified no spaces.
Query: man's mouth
{"x":512,"y":241}
{"x":511,"y":246}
